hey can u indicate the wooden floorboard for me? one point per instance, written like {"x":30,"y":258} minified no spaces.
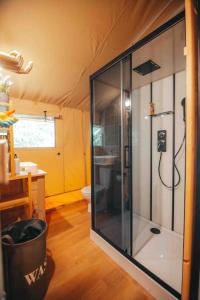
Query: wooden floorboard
{"x":56,"y":201}
{"x":81,"y":270}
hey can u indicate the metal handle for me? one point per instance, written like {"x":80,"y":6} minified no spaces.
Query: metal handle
{"x":126,"y":157}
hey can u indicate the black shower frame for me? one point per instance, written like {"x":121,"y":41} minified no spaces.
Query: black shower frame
{"x":195,"y":274}
{"x":178,"y":18}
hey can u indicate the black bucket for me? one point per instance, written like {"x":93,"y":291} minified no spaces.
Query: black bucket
{"x":25,"y":262}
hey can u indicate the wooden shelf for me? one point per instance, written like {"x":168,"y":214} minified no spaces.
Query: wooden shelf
{"x":14,"y":203}
{"x":9,"y":139}
{"x":17,"y":200}
{"x":13,"y":200}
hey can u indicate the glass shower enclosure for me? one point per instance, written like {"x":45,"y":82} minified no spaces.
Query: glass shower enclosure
{"x":112,"y":154}
{"x":138,"y":153}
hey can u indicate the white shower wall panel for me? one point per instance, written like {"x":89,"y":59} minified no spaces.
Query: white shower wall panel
{"x":141,"y":152}
{"x":161,"y":196}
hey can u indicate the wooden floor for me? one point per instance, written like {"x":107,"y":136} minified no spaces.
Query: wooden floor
{"x":63,"y":199}
{"x":82,"y":271}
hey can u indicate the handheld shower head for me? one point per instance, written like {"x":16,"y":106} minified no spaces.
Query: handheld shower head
{"x":175,"y":156}
{"x":183,"y":104}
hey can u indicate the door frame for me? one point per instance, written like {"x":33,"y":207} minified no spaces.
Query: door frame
{"x":126,"y":170}
{"x":195,"y":269}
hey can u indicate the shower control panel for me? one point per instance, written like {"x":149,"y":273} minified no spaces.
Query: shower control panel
{"x":162,"y":140}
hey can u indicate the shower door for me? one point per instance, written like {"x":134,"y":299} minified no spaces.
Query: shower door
{"x":111,"y":154}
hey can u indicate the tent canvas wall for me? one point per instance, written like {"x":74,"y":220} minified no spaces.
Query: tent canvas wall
{"x":67,"y":41}
{"x":70,"y":40}
{"x":70,"y":170}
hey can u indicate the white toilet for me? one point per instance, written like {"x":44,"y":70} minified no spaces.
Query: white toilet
{"x":104,"y":182}
{"x":86,"y":192}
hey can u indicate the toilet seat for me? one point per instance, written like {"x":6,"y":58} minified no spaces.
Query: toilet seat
{"x":86,"y":190}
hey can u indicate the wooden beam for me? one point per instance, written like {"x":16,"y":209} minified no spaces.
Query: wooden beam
{"x":11,"y":150}
{"x":30,"y":195}
{"x":191,"y":130}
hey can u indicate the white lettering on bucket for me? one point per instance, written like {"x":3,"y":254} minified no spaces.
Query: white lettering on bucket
{"x":36,"y":274}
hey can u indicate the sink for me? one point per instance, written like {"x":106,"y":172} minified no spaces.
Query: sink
{"x":104,"y":159}
{"x":28,"y":166}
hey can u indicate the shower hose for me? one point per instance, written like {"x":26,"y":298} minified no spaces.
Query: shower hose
{"x":174,"y":164}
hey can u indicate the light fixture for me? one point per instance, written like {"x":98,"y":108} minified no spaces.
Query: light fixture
{"x":127,"y":102}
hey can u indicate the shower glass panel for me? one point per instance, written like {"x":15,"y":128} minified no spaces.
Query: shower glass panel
{"x":111,"y":112}
{"x":158,"y":155}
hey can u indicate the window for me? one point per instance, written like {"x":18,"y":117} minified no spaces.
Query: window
{"x":34,"y":132}
{"x":97,"y":135}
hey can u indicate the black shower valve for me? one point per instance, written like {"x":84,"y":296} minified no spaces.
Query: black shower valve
{"x":161,"y":144}
{"x":162,"y":140}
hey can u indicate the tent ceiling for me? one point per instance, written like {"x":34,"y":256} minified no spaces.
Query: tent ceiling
{"x":69,"y":40}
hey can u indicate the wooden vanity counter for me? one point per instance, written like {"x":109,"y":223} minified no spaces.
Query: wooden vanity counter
{"x":23,"y":197}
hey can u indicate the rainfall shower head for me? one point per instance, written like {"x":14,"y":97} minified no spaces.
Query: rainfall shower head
{"x":146,"y":68}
